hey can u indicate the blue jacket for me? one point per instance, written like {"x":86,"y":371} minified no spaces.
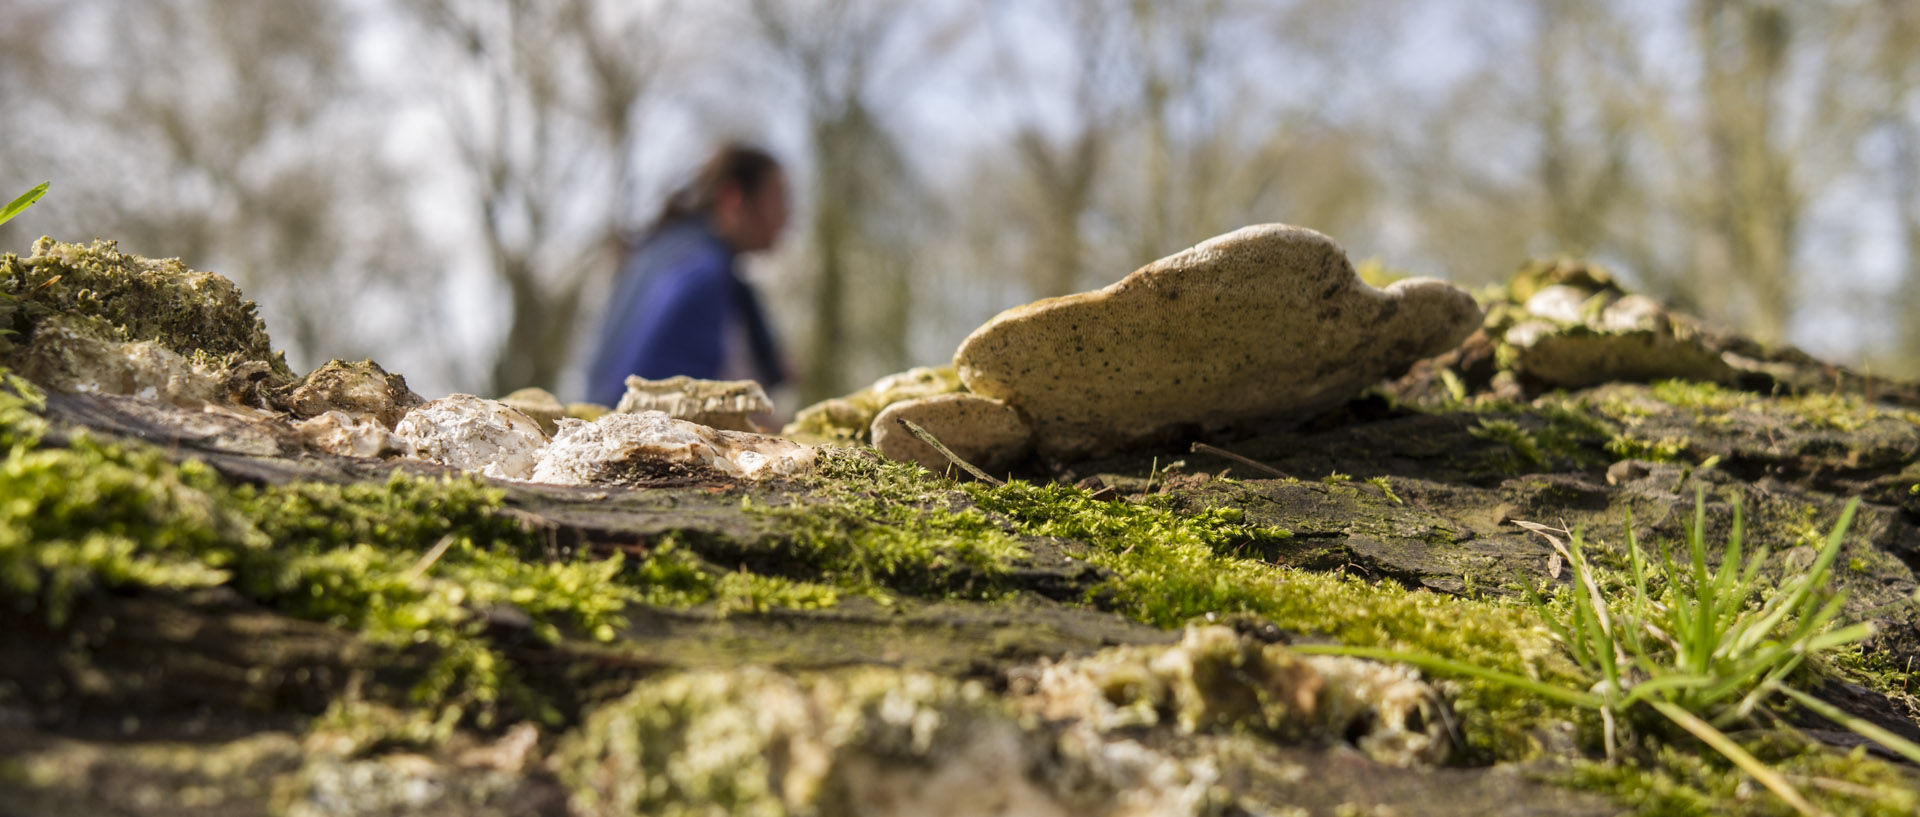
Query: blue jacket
{"x":678,"y":304}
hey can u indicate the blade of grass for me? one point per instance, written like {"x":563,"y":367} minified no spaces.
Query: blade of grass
{"x":1804,"y":585}
{"x":1843,"y":637}
{"x":25,"y":200}
{"x":1646,"y":689}
{"x":1727,"y":601}
{"x":1866,"y":729}
{"x":1432,"y":663}
{"x":1700,"y":639}
{"x":1680,"y":611}
{"x":1760,"y":690}
{"x":1553,"y":623}
{"x":1732,"y":751}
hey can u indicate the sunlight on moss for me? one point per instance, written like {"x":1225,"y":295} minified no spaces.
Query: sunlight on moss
{"x":875,"y":527}
{"x":1816,"y":410}
{"x":1171,"y":567}
{"x":1665,"y":449}
{"x":92,"y":516}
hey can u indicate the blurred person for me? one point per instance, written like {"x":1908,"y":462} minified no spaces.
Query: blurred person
{"x":680,"y":306}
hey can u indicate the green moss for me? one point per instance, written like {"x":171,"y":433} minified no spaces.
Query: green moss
{"x":1711,"y":404}
{"x":1665,"y":449}
{"x":1685,"y":780}
{"x":198,"y":315}
{"x":414,"y":562}
{"x":1879,"y":671}
{"x":752,"y":741}
{"x":1843,"y":412}
{"x":1572,"y":422}
{"x":93,"y":516}
{"x":406,"y":563}
{"x":674,"y":576}
{"x":1701,"y":397}
{"x":1551,"y":429}
{"x":875,"y":527}
{"x":1386,"y":489}
{"x":1521,"y":446}
{"x":1172,"y":566}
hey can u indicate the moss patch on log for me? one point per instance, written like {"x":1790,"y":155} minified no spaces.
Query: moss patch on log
{"x":121,"y":298}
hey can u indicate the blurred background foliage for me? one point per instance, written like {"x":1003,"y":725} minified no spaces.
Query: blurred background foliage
{"x":443,"y":184}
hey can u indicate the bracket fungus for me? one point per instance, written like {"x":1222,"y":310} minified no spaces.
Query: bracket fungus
{"x":727,"y":405}
{"x":1267,"y":321}
{"x":620,"y":447}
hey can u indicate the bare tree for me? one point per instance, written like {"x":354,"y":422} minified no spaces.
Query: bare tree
{"x":1892,"y":90}
{"x":850,"y":61}
{"x":228,"y":133}
{"x":1061,"y":169}
{"x":545,"y":104}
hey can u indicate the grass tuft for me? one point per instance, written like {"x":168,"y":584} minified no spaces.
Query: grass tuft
{"x":1702,"y":649}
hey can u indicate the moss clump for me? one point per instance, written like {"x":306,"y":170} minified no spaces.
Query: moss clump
{"x":873,"y":527}
{"x":1665,"y":449}
{"x":420,"y":562}
{"x":1171,"y":566}
{"x":409,"y":562}
{"x":94,"y":516}
{"x":752,"y":741}
{"x":1539,"y":274}
{"x":1552,"y":430}
{"x":1678,"y":779}
{"x":198,"y":315}
{"x":1521,"y":446}
{"x":673,"y":575}
{"x":1713,"y":405}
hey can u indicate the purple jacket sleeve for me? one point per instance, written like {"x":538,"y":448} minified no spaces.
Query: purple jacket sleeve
{"x":675,"y":328}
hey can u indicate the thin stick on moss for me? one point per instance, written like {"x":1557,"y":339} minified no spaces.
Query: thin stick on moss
{"x":420,"y":567}
{"x":945,"y":452}
{"x":1203,"y":448}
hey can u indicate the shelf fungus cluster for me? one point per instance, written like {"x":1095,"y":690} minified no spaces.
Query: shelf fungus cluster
{"x":1267,"y":322}
{"x":633,"y":442}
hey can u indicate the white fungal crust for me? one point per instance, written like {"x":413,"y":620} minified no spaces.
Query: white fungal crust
{"x":336,"y":433}
{"x":474,"y":434}
{"x":64,"y":358}
{"x":619,"y":447}
{"x":1218,"y":680}
{"x":722,"y":404}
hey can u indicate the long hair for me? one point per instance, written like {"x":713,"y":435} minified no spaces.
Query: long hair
{"x":733,"y":164}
